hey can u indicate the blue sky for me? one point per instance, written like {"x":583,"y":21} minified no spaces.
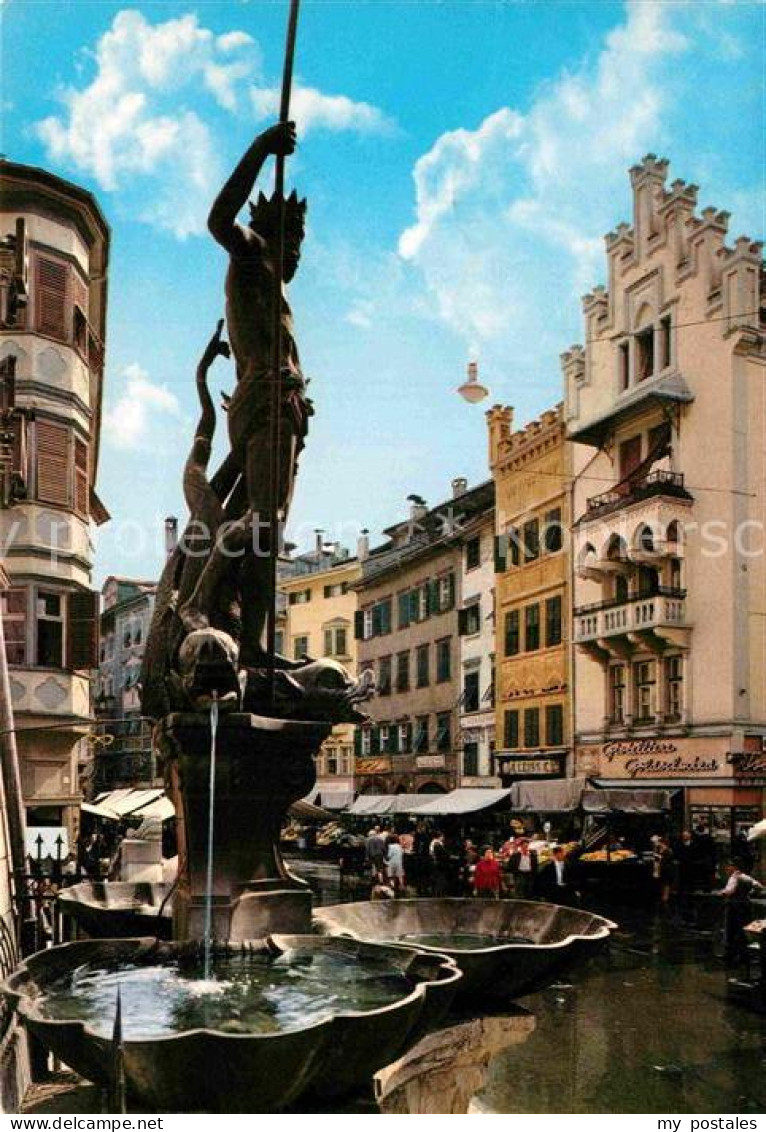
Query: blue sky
{"x":462,"y":162}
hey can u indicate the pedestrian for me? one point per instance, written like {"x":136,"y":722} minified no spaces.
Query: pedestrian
{"x":395,"y":865}
{"x":375,"y":855}
{"x":523,"y":864}
{"x":487,"y":876}
{"x":737,"y":892}
{"x":439,"y":856}
{"x":557,"y":879}
{"x":663,"y":870}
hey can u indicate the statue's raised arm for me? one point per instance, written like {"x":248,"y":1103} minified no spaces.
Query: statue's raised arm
{"x":222,"y":221}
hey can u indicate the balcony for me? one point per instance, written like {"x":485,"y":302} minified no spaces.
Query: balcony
{"x":650,"y":620}
{"x":661,"y":482}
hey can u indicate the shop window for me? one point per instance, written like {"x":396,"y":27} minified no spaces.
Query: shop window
{"x":13,"y":607}
{"x":531,"y":540}
{"x":422,"y":666}
{"x":617,"y":694}
{"x":443,"y":660}
{"x":384,"y":676}
{"x":403,"y":672}
{"x":443,"y":731}
{"x":553,"y":621}
{"x":674,"y":688}
{"x":645,"y":691}
{"x":421,"y":734}
{"x":512,"y":633}
{"x":645,"y":354}
{"x":473,"y":553}
{"x":553,"y":533}
{"x":532,"y":628}
{"x":50,"y":629}
{"x":470,"y":759}
{"x":471,"y":691}
{"x":511,"y":730}
{"x":532,"y":727}
{"x":554,"y":725}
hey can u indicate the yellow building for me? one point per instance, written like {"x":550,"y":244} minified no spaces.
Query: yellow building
{"x":531,"y":470}
{"x":320,"y":623}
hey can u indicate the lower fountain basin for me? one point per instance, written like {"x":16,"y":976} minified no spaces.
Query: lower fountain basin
{"x":115,"y":909}
{"x":329,"y":1047}
{"x":503,"y":947}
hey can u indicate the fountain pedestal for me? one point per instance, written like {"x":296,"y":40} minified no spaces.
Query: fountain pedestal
{"x":262,"y":766}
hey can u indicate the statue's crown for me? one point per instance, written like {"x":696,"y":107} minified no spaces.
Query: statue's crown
{"x":264,"y":214}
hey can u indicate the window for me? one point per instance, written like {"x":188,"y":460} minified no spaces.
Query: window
{"x":299,"y":597}
{"x":553,"y":534}
{"x":384,"y":676}
{"x":675,"y":573}
{"x":469,"y":620}
{"x":470,"y":759}
{"x":471,"y":691}
{"x":532,"y":628}
{"x":553,"y":621}
{"x":512,"y":633}
{"x":630,"y":456}
{"x":674,"y":688}
{"x":381,"y":618}
{"x":645,"y":354}
{"x":554,"y":725}
{"x":532,"y":727}
{"x":514,"y":545}
{"x":300,"y":647}
{"x":623,"y":365}
{"x":443,"y":660}
{"x":446,"y":593}
{"x":403,"y":605}
{"x":422,"y":664}
{"x":621,"y":588}
{"x":50,"y":630}
{"x":531,"y":540}
{"x":617,"y":693}
{"x":665,"y":345}
{"x":443,"y":731}
{"x":366,"y":744}
{"x":384,"y":738}
{"x":336,"y":589}
{"x":403,"y":671}
{"x":473,"y":553}
{"x":336,"y":641}
{"x":13,"y":607}
{"x":279,"y":641}
{"x":404,"y":738}
{"x":511,"y":730}
{"x":421,"y":734}
{"x":645,"y":682}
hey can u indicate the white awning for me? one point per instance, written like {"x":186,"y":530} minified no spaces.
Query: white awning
{"x":635,"y":801}
{"x":553,"y":796}
{"x":370,"y":805}
{"x":467,"y":800}
{"x":119,"y":804}
{"x":336,"y":799}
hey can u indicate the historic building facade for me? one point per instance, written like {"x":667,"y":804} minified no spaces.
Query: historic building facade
{"x":532,"y":472}
{"x":407,"y":628}
{"x":54,"y":247}
{"x":666,"y":409}
{"x":319,"y":622}
{"x":476,"y":645}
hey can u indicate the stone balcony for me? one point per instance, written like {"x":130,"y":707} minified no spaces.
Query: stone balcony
{"x":51,"y":691}
{"x":653,"y":621}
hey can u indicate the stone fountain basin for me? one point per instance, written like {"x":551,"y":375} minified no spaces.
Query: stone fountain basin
{"x":205,"y":1070}
{"x":115,"y":909}
{"x":559,"y":936}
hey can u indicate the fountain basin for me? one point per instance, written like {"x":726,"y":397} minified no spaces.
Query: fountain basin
{"x":208,"y":1070}
{"x":119,"y":909}
{"x":503,"y":947}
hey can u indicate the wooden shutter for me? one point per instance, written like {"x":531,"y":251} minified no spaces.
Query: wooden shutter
{"x":357,"y":741}
{"x":81,"y":489}
{"x":52,"y":462}
{"x":462,"y":622}
{"x":359,"y":625}
{"x":82,"y":629}
{"x":501,"y":553}
{"x":52,"y":298}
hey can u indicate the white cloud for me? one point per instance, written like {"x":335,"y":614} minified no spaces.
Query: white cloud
{"x":497,"y":206}
{"x":141,"y":402}
{"x":313,"y":110}
{"x":133,"y":120}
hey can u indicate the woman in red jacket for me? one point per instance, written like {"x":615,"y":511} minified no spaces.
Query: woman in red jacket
{"x":487,"y":876}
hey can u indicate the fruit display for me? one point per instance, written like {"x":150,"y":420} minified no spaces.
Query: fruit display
{"x":611,"y":858}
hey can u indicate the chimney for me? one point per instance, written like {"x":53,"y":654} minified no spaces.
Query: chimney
{"x":171,"y":535}
{"x":318,"y":544}
{"x":418,"y":507}
{"x":459,"y":486}
{"x":363,"y":545}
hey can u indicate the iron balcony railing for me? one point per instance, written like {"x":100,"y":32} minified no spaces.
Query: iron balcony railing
{"x":656,"y":483}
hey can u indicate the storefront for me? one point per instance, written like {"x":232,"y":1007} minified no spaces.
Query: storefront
{"x":534,"y":766}
{"x":722,"y":787}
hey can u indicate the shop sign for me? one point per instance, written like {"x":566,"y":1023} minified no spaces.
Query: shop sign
{"x":529,"y":766}
{"x":373,"y":766}
{"x":430,"y":762}
{"x":748,"y":765}
{"x":660,"y":758}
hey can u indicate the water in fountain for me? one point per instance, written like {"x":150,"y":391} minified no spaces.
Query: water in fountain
{"x":460,"y":941}
{"x":208,"y":930}
{"x":254,"y":993}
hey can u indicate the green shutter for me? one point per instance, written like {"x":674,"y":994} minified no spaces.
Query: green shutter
{"x":357,"y":741}
{"x":358,"y":625}
{"x":501,"y":554}
{"x":404,"y":610}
